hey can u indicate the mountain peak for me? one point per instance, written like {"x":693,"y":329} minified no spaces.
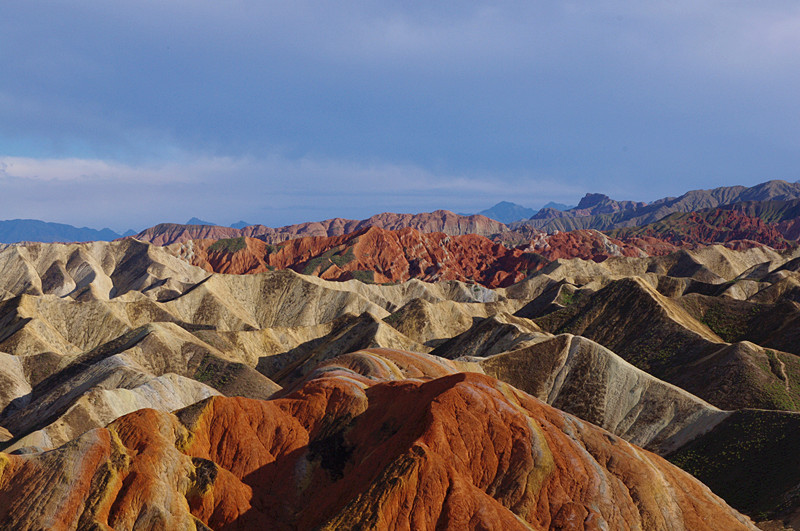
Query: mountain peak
{"x":590,"y":200}
{"x":198,"y":221}
{"x":557,"y":206}
{"x":507,"y":212}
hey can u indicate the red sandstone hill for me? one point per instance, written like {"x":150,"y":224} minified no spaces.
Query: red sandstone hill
{"x":716,"y":225}
{"x":438,"y":221}
{"x":594,"y":245}
{"x":372,"y":254}
{"x":351,"y":449}
{"x":382,"y":256}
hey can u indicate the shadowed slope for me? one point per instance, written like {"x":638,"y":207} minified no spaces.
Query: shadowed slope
{"x":659,"y":336}
{"x":587,"y":380}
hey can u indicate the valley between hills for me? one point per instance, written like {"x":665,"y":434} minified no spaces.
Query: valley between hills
{"x":637,"y":368}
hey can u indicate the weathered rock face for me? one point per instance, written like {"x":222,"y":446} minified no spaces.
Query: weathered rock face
{"x":351,"y":450}
{"x":583,"y":378}
{"x":374,"y":254}
{"x":438,"y":221}
{"x":94,"y":271}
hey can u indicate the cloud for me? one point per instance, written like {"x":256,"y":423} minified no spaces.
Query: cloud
{"x":647,"y":98}
{"x":272,"y":190}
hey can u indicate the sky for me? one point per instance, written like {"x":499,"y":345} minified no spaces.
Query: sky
{"x":126,"y":114}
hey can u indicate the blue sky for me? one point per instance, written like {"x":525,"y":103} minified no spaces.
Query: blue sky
{"x":125,"y":114}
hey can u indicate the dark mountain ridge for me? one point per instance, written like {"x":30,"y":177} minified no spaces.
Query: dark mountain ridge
{"x":597,"y":211}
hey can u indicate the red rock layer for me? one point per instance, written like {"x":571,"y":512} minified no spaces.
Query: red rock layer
{"x":390,"y":256}
{"x":594,"y":245}
{"x":397,"y":256}
{"x":789,"y":229}
{"x":350,"y":450}
{"x":438,"y":221}
{"x":714,"y":226}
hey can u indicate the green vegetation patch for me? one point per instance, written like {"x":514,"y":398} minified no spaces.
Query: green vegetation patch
{"x":735,"y":458}
{"x":559,"y":321}
{"x":367,"y":277}
{"x":323,"y":262}
{"x":215,"y":372}
{"x":785,"y":393}
{"x":567,"y":298}
{"x":657,"y":352}
{"x":320,"y":263}
{"x":343,"y":259}
{"x":730,"y":322}
{"x":228,"y":245}
{"x":396,"y":317}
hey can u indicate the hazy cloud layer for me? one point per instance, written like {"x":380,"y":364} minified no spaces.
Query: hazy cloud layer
{"x":273,"y":191}
{"x":448,"y":105}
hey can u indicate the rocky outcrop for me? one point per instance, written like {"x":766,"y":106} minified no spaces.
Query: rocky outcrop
{"x":596,"y":246}
{"x":92,"y":271}
{"x":383,"y":256}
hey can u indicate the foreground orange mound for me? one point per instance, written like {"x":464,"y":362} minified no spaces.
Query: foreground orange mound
{"x":347,"y":450}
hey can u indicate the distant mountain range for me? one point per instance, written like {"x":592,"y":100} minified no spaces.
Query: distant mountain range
{"x":773,"y":202}
{"x":198,"y":221}
{"x":507,"y":212}
{"x":597,"y":211}
{"x":33,"y":230}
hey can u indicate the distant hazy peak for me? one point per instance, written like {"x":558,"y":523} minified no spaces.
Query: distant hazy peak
{"x":507,"y":212}
{"x":590,"y":200}
{"x":557,"y":206}
{"x":198,"y":221}
{"x":34,"y":230}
